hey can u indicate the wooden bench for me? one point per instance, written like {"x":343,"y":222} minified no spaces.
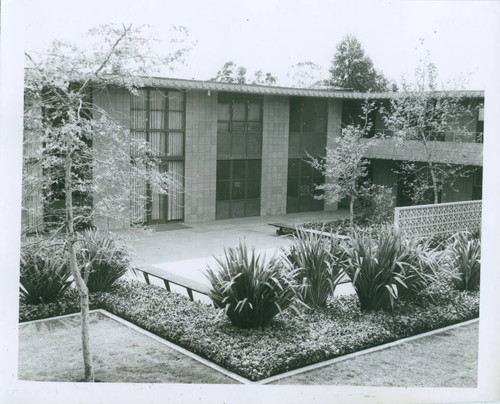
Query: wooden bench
{"x":283,"y":226}
{"x":168,"y":277}
{"x":292,"y":229}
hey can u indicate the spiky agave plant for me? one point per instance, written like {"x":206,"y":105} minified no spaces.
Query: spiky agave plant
{"x":44,"y":273}
{"x":104,"y":260}
{"x":466,"y":261}
{"x":251,"y":290}
{"x":319,"y":266}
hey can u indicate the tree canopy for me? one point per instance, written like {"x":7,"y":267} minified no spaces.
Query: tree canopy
{"x":231,"y":73}
{"x":352,"y":68}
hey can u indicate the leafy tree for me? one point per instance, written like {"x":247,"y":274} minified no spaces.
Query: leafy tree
{"x":76,"y":153}
{"x":306,"y":75}
{"x":230,"y":73}
{"x":424,"y":115}
{"x":262,"y":78}
{"x":346,"y":166}
{"x":351,"y":68}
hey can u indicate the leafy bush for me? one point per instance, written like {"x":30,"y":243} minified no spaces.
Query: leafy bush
{"x":319,"y":266}
{"x":377,"y":207}
{"x":250,"y":291}
{"x":466,"y":261}
{"x":388,"y":269}
{"x":104,"y":260}
{"x":44,"y":272}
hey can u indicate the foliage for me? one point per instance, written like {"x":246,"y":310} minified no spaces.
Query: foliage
{"x":231,"y":73}
{"x":250,"y":290}
{"x":466,"y":261}
{"x":105,"y":260}
{"x":351,"y":68}
{"x":45,"y":274}
{"x":377,"y":206}
{"x":290,"y":342}
{"x":345,"y":165}
{"x":389,"y":269}
{"x":306,"y":75}
{"x":319,"y":266}
{"x":422,"y":114}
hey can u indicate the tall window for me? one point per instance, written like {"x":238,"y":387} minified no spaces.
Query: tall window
{"x":239,"y":154}
{"x":307,"y":137}
{"x":158,"y":117}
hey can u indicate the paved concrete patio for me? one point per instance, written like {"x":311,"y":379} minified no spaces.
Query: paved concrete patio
{"x":188,"y":249}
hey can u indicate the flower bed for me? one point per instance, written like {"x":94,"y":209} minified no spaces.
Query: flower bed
{"x":290,"y":341}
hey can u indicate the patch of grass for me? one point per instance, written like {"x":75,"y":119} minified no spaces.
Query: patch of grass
{"x":432,"y":363}
{"x":51,"y":351}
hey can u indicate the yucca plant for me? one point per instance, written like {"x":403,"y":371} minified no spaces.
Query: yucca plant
{"x":250,"y":290}
{"x":373,"y":269}
{"x":319,"y":266}
{"x":104,"y":260}
{"x":466,"y":261}
{"x":418,"y":263}
{"x":44,"y":273}
{"x":389,"y":268}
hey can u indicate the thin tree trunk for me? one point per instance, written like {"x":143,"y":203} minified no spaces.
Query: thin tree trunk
{"x":80,"y":284}
{"x":351,"y":213}
{"x":434,"y":184}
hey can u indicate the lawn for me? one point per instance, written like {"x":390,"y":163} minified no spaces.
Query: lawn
{"x":51,"y":350}
{"x":447,"y":359}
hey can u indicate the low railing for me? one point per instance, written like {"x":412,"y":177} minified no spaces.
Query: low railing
{"x":442,"y":218}
{"x":445,"y":136}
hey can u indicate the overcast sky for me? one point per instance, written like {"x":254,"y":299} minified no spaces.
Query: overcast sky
{"x":272,"y":35}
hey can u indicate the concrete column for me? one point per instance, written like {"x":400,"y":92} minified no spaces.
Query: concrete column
{"x":274,"y":155}
{"x":333,"y":130}
{"x":200,"y":156}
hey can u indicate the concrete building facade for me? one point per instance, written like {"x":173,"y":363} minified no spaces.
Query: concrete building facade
{"x":239,"y":149}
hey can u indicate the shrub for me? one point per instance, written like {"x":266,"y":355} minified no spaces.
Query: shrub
{"x":466,"y":261}
{"x":388,"y":269}
{"x":250,"y":291}
{"x":318,"y":264}
{"x":44,"y":272}
{"x":104,"y":260}
{"x":378,"y":206}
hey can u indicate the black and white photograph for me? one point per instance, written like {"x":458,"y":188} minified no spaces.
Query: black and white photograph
{"x":250,"y":201}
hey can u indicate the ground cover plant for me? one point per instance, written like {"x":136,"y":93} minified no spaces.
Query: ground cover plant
{"x":291,"y":340}
{"x":318,"y":263}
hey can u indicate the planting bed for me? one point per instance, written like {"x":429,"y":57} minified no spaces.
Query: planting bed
{"x":289,"y":342}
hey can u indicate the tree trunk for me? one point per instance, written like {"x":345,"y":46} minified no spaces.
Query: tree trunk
{"x":351,"y":213}
{"x":434,"y":184}
{"x":80,"y":284}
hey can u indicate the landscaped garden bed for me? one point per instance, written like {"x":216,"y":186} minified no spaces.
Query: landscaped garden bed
{"x":290,"y":341}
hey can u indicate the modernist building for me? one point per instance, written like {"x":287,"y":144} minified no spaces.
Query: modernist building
{"x":240,"y":148}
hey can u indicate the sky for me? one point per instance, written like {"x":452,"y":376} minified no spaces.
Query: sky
{"x":273,"y":35}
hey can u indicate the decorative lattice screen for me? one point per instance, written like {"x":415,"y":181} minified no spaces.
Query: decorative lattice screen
{"x":443,"y":218}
